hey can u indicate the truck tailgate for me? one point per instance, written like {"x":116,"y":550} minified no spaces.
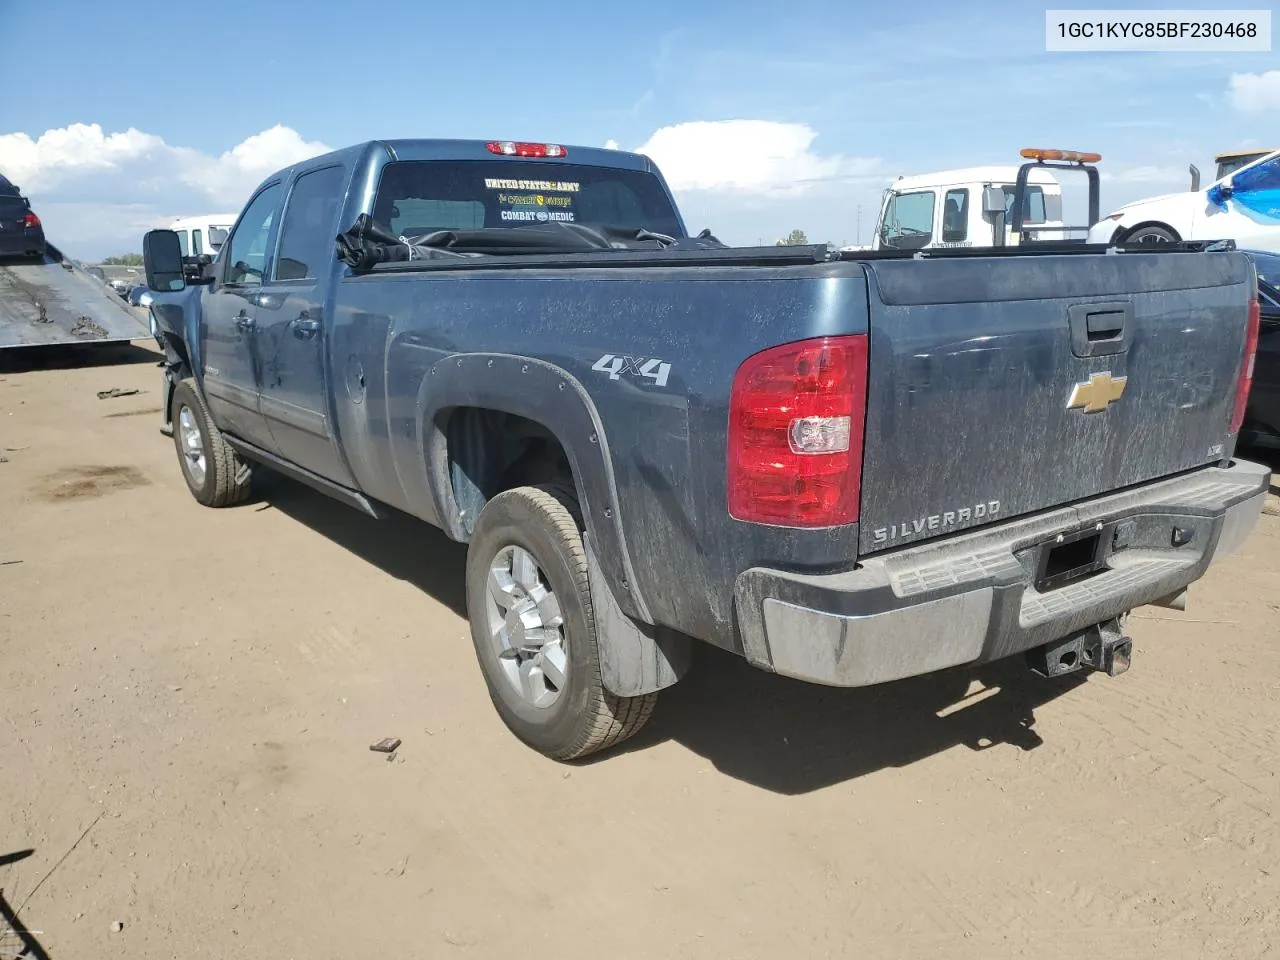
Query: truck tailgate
{"x":1000,"y":386}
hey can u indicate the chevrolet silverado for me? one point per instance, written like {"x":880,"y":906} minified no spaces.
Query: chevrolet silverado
{"x":848,"y":468}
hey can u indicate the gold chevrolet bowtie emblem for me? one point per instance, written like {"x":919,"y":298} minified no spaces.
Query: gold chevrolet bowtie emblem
{"x":1096,"y":393}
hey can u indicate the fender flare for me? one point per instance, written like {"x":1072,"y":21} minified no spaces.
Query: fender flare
{"x":552,"y":397}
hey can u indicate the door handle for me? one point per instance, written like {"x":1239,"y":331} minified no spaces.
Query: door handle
{"x":244,"y":322}
{"x":305,"y":327}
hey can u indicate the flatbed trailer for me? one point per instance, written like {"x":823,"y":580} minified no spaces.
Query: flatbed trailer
{"x":55,"y":302}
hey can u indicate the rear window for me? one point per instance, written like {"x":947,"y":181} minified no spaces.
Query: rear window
{"x":417,"y":197}
{"x":1033,"y":211}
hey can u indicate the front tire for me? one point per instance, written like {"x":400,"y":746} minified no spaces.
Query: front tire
{"x":215,"y":474}
{"x":534,"y":630}
{"x":1151,"y":234}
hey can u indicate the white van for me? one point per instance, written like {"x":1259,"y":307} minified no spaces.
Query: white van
{"x":206,"y":234}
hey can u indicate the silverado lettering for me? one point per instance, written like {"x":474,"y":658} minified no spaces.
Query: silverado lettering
{"x":937,"y":521}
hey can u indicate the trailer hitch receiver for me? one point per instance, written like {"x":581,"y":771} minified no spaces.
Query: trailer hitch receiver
{"x":1103,"y":647}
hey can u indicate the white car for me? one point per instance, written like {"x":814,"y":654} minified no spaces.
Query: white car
{"x":1243,"y":206}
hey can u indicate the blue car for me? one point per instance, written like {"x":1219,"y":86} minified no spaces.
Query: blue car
{"x":21,"y":233}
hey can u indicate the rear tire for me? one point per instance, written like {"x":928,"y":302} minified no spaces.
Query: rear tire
{"x":215,"y":474}
{"x":534,"y":630}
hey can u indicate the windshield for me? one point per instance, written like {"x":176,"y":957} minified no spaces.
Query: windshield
{"x":417,"y":197}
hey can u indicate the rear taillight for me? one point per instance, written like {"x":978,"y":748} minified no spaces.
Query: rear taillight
{"x":796,"y":421}
{"x":513,"y":148}
{"x":1245,"y":382}
{"x":30,"y":220}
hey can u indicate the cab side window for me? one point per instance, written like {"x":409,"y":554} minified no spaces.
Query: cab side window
{"x":955,"y":216}
{"x":247,"y":256}
{"x":309,"y":224}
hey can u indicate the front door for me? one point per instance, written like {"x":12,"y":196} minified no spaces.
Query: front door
{"x":292,"y":339}
{"x":231,"y":360}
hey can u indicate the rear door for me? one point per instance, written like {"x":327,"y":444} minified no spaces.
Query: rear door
{"x":291,"y":334}
{"x":1005,"y":385}
{"x":232,"y":372}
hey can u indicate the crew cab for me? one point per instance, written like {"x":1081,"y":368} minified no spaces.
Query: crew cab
{"x":847,"y":468}
{"x":1243,"y":206}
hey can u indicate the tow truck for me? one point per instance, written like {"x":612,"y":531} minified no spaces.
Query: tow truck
{"x":979,"y":206}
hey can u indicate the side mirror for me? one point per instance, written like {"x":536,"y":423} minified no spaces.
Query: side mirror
{"x":1219,"y":193}
{"x":217,"y":237}
{"x":993,"y":201}
{"x":162,"y":261}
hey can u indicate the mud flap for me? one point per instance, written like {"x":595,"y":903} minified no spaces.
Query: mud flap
{"x":166,"y":400}
{"x":635,"y":658}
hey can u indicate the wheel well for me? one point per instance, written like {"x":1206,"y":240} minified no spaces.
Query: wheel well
{"x":1153,"y":223}
{"x":490,"y":451}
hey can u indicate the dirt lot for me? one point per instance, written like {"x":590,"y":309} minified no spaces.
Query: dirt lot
{"x":188,"y":697}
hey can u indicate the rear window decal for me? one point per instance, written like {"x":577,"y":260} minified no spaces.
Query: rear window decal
{"x":545,"y":186}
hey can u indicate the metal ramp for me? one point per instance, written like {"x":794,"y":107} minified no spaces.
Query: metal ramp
{"x":55,"y":302}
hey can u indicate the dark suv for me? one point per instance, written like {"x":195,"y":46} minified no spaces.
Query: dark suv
{"x":21,"y":233}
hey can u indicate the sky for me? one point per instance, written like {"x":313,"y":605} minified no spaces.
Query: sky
{"x":763,"y":118}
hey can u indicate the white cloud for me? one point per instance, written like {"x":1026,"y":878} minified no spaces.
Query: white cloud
{"x":754,"y":157}
{"x":1255,"y":92}
{"x":97,"y":192}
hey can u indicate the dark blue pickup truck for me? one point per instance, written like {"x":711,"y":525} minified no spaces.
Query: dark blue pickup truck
{"x":848,"y":468}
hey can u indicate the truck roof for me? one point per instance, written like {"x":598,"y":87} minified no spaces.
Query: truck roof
{"x":1007,"y":173}
{"x":432,"y":149}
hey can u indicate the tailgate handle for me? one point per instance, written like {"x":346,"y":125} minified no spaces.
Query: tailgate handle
{"x":1100,"y":329}
{"x":1104,"y":326}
